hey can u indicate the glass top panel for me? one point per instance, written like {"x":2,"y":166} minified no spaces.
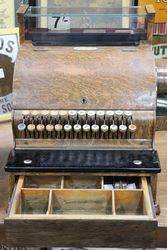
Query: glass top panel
{"x":35,"y":11}
{"x":91,"y":22}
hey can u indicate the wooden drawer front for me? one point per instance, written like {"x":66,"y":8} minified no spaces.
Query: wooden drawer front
{"x":86,"y":211}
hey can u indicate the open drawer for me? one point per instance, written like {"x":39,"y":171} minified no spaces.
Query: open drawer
{"x":81,"y":211}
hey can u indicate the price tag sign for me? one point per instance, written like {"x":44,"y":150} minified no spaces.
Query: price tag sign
{"x":59,"y":23}
{"x":9,"y":46}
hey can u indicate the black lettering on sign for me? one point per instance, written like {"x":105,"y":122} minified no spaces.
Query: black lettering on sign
{"x":9,"y":107}
{"x":156,"y":51}
{"x":10,"y":47}
{"x":164,"y":48}
{"x":4,"y":109}
{"x":56,"y":22}
{"x":1,"y":43}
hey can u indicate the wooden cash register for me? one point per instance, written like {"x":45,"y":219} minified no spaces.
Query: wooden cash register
{"x":84,"y":166}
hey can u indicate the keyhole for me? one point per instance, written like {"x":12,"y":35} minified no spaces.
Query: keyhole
{"x":84,"y":100}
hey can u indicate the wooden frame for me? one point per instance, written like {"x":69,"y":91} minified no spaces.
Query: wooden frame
{"x":37,"y":204}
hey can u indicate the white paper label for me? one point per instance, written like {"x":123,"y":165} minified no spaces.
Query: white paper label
{"x":2,"y":75}
{"x":59,"y":23}
{"x":85,"y":48}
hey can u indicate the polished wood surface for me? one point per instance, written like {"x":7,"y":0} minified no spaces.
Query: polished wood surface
{"x":161,"y":144}
{"x":67,"y":75}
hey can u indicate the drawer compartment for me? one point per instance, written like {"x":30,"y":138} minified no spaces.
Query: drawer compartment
{"x":33,"y":202}
{"x":91,"y":202}
{"x":93,"y":211}
{"x":129,"y":202}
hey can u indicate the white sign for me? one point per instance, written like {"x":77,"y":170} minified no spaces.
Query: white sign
{"x":5,"y":104}
{"x":160,"y":50}
{"x":9,"y":46}
{"x":58,"y":23}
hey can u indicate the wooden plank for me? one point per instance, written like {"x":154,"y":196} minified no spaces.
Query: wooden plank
{"x":80,"y":233}
{"x":113,"y":203}
{"x":15,"y":201}
{"x":147,"y":200}
{"x":161,"y":236}
{"x":49,"y":211}
{"x":2,"y":233}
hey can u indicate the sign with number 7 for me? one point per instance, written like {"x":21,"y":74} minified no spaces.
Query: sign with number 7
{"x":59,"y":23}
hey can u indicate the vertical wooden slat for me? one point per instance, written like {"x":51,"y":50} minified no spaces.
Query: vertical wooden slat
{"x":113,"y":202}
{"x":49,"y":211}
{"x":146,"y":197}
{"x":150,"y":21}
{"x":16,"y":200}
{"x":20,"y":15}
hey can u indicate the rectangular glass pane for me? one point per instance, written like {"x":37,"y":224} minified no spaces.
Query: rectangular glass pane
{"x":70,"y":23}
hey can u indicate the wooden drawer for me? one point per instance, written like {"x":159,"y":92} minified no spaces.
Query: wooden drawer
{"x":79,"y":211}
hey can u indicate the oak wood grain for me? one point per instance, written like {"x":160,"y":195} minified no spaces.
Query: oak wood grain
{"x":65,"y":76}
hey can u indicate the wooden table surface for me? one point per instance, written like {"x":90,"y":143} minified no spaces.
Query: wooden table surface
{"x":6,"y":143}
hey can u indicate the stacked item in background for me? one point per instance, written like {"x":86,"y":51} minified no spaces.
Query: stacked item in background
{"x":160,"y":52}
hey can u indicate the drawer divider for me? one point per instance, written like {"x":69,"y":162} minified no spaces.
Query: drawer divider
{"x":62,"y":182}
{"x":17,"y":196}
{"x":102,"y":182}
{"x":49,"y":211}
{"x":113,"y":203}
{"x":147,"y":201}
